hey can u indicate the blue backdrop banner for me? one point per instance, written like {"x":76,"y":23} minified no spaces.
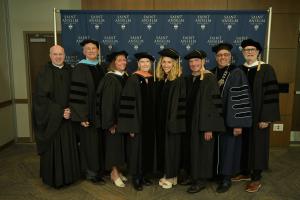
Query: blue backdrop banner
{"x":151,"y":31}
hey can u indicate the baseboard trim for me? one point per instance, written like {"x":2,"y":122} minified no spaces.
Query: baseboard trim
{"x":24,"y":140}
{"x":9,"y":143}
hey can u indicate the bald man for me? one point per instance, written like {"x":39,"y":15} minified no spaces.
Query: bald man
{"x":56,"y":143}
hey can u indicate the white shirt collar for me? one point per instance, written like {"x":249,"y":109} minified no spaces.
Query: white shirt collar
{"x":116,"y":72}
{"x":58,"y":66}
{"x":253,"y":64}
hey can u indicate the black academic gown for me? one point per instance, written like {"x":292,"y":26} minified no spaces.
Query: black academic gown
{"x":56,"y":142}
{"x":137,"y":116}
{"x":236,"y":99}
{"x":170,"y":105}
{"x":85,"y":81}
{"x":204,"y":112}
{"x":108,"y":97}
{"x":265,"y":97}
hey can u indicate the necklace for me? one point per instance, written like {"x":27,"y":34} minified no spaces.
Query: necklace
{"x":222,"y":80}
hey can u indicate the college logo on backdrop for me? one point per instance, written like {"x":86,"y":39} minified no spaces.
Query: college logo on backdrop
{"x":149,"y":21}
{"x":188,"y":41}
{"x":256,"y":21}
{"x":70,"y":21}
{"x":214,"y":40}
{"x":229,"y":21}
{"x":238,"y":40}
{"x":71,"y":59}
{"x":80,"y":38}
{"x":203,"y":21}
{"x":176,"y":21}
{"x":123,"y":20}
{"x":110,"y":41}
{"x":96,"y":20}
{"x":162,"y":41}
{"x":135,"y":41}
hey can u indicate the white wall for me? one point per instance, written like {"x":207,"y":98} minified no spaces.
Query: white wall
{"x":29,"y":15}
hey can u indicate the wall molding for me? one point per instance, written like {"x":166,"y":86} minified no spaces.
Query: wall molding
{"x":9,"y":143}
{"x":24,"y":140}
{"x":21,"y":101}
{"x":4,"y":104}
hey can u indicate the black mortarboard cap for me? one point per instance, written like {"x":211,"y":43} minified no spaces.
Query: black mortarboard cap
{"x":140,"y":55}
{"x":86,"y":41}
{"x":221,"y":46}
{"x":195,"y":54}
{"x":113,"y":55}
{"x":168,"y":52}
{"x":250,"y":42}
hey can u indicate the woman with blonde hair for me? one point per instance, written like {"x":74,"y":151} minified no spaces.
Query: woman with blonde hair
{"x":170,"y":102}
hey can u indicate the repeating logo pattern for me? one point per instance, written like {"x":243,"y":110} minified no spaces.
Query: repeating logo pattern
{"x":97,"y":21}
{"x":153,"y":31}
{"x":162,"y":41}
{"x":149,"y":21}
{"x":176,"y":21}
{"x":123,"y":20}
{"x":135,"y":41}
{"x":70,"y":21}
{"x":203,"y":21}
{"x":256,"y":21}
{"x":110,"y":41}
{"x":229,"y":21}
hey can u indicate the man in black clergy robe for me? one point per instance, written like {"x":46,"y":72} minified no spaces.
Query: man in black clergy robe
{"x":265,"y":97}
{"x":56,"y":143}
{"x":204,"y":116}
{"x":236,"y":99}
{"x":85,"y":80}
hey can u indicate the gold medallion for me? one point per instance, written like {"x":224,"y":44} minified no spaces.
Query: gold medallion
{"x":221,"y":82}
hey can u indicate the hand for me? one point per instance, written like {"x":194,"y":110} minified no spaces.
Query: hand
{"x":67,"y":113}
{"x":131,"y":135}
{"x":208,"y":136}
{"x":112,"y":129}
{"x":237,"y":131}
{"x":85,"y":124}
{"x":263,"y":125}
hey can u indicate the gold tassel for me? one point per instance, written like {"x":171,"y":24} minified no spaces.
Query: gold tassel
{"x":202,"y":70}
{"x":259,"y":62}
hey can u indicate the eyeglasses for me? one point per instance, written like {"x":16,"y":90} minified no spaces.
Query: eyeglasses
{"x":250,"y":50}
{"x":223,"y":54}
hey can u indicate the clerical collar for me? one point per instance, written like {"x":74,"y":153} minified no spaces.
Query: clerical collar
{"x":89,"y":62}
{"x":58,"y":66}
{"x":253,"y":64}
{"x":117,"y":73}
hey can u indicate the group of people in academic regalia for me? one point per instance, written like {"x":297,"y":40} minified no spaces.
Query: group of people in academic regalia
{"x":95,"y":120}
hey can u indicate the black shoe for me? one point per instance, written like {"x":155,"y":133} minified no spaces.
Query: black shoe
{"x":97,"y":180}
{"x":146,"y":182}
{"x":186,"y":181}
{"x":137,"y":184}
{"x":223,"y":187}
{"x":195,"y":188}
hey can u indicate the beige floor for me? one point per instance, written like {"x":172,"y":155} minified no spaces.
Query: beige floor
{"x":19,"y":179}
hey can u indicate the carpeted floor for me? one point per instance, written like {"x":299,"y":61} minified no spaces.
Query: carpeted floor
{"x":19,"y":179}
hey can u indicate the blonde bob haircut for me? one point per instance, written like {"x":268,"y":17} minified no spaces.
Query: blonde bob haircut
{"x":174,"y":73}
